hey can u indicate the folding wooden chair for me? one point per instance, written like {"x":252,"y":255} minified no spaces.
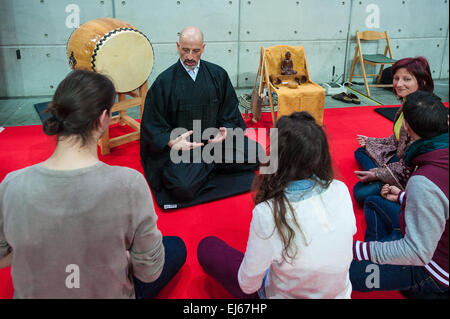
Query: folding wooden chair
{"x":371,"y":59}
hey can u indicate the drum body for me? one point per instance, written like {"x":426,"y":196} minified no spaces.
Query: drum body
{"x":114,"y":48}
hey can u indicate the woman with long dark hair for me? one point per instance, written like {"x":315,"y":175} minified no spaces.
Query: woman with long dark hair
{"x":300,"y":241}
{"x":75,"y":227}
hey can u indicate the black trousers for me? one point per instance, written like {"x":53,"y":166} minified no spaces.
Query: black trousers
{"x":185,"y":180}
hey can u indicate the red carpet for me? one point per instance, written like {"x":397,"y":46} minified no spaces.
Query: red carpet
{"x":229,"y":218}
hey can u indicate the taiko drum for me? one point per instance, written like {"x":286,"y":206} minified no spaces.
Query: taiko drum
{"x":114,"y":48}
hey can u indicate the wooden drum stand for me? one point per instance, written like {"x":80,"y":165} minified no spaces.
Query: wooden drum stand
{"x":138,"y":98}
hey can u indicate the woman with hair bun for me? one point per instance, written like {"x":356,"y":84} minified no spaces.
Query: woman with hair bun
{"x":75,"y":227}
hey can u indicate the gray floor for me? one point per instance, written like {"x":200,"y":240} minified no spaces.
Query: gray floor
{"x":21,"y":111}
{"x":385,"y":96}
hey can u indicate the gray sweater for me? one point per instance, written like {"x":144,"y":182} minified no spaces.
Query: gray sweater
{"x":423,"y":221}
{"x":70,"y":231}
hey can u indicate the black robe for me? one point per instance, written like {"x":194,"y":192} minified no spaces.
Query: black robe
{"x":175,"y":100}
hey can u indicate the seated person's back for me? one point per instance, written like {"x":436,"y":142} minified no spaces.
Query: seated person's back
{"x":70,"y":222}
{"x":85,"y":218}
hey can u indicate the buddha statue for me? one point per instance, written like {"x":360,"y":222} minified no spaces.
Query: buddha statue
{"x":287,"y":66}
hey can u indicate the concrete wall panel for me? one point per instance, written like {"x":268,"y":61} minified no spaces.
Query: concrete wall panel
{"x":43,"y":22}
{"x":234,"y":32}
{"x":161,"y":21}
{"x":37,"y":73}
{"x":401,"y":18}
{"x":291,"y":20}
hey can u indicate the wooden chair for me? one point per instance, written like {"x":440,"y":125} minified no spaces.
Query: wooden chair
{"x":371,"y":59}
{"x":138,"y":98}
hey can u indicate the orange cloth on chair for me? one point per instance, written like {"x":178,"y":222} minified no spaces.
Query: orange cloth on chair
{"x":308,"y":96}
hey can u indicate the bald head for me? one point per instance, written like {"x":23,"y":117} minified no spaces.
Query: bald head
{"x":190,"y":46}
{"x":191,"y":34}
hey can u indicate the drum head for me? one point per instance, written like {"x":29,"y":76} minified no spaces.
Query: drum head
{"x":126,"y":56}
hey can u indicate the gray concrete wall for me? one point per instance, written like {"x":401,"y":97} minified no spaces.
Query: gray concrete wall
{"x":234,"y":32}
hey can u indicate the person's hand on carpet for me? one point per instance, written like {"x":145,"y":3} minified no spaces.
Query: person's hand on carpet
{"x":180,"y":143}
{"x":362,"y":140}
{"x":366,"y":176}
{"x":221,"y":135}
{"x":390,"y":192}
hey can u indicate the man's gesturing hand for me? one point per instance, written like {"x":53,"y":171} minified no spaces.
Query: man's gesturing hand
{"x":220,"y":136}
{"x":180,"y":143}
